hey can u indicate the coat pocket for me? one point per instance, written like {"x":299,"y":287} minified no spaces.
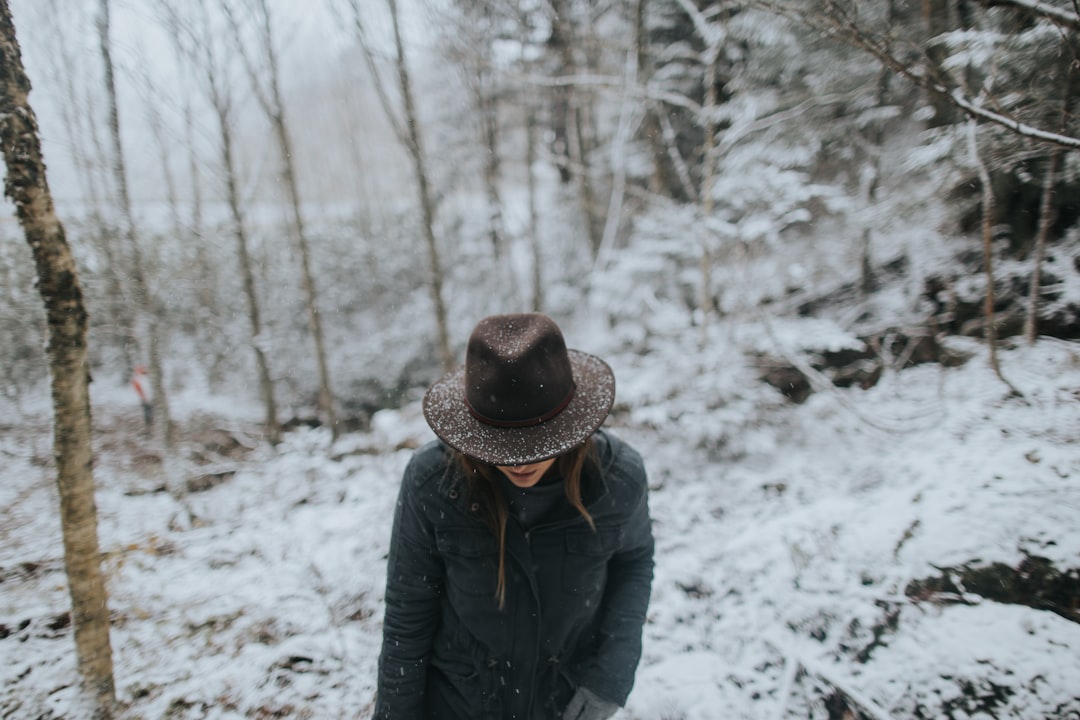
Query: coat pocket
{"x":471,"y":557}
{"x":456,"y":690}
{"x":586,"y":559}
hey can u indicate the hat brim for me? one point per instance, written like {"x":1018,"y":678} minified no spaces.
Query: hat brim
{"x":594,"y":394}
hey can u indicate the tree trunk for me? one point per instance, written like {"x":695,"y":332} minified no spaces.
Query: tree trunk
{"x":988,"y":211}
{"x":487,"y":105}
{"x":574,"y":124}
{"x":663,"y":180}
{"x":427,"y":205}
{"x":221,"y":103}
{"x":247,"y":277}
{"x":408,"y":132}
{"x":486,"y":101}
{"x":144,"y":311}
{"x":712,"y":57}
{"x":115,"y":324}
{"x":311,"y":295}
{"x":1047,"y":215}
{"x":936,"y":19}
{"x":1047,"y":207}
{"x":628,"y":120}
{"x":58,"y":283}
{"x":269,"y":97}
{"x":534,"y":224}
{"x":875,"y":136}
{"x":208,"y":314}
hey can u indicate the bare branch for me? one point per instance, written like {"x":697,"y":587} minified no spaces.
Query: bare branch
{"x":646,"y":92}
{"x":257,"y":86}
{"x":376,"y":77}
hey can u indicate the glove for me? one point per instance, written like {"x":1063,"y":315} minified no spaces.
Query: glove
{"x":586,"y":705}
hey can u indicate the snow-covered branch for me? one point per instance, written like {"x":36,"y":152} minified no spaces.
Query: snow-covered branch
{"x":846,"y":28}
{"x":1050,"y":12}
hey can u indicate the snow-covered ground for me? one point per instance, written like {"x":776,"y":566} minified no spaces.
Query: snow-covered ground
{"x":783,"y":555}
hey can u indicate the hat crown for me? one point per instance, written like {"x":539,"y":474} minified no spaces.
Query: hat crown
{"x":517,"y":370}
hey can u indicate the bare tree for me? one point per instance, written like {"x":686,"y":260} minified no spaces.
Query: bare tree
{"x":471,"y":35}
{"x":77,"y":107}
{"x":660,"y":181}
{"x":207,"y":308}
{"x":528,"y":105}
{"x":874,"y":136}
{"x":27,"y":187}
{"x":268,"y":93}
{"x":1047,"y":215}
{"x":713,"y":35}
{"x":572,"y":128}
{"x":534,"y":221}
{"x":936,"y":21}
{"x":197,"y":43}
{"x":416,"y":149}
{"x":408,"y":132}
{"x":152,"y":101}
{"x":145,"y":312}
{"x":1047,"y":208}
{"x":987,"y":226}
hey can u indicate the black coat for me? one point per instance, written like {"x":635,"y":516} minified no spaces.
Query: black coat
{"x":575,"y":599}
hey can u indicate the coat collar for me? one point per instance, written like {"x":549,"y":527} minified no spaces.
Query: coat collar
{"x":594,"y":483}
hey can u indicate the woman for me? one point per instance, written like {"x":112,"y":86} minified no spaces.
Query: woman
{"x":522,"y":554}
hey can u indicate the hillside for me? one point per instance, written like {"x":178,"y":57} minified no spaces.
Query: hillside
{"x":910,"y":547}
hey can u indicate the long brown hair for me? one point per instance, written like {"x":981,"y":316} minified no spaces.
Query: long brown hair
{"x":482,"y":484}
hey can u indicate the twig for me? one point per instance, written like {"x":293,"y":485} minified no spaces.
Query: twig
{"x":865,"y":703}
{"x":819,"y":382}
{"x":791,"y":671}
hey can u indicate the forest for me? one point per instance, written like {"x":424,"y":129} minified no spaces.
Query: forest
{"x":849,"y":226}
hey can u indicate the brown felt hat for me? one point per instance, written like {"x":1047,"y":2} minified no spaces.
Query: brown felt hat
{"x":522,"y":396}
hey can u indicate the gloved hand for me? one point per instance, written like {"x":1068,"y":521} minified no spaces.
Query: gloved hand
{"x":586,"y":705}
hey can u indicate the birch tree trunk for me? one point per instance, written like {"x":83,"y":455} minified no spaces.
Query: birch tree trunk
{"x":58,"y":283}
{"x":146,"y":314}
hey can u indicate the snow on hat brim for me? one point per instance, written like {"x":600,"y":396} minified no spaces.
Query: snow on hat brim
{"x":448,"y":415}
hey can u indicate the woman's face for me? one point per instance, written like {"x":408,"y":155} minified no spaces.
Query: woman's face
{"x":525,"y":476}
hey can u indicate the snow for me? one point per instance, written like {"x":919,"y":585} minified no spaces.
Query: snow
{"x":783,"y":551}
